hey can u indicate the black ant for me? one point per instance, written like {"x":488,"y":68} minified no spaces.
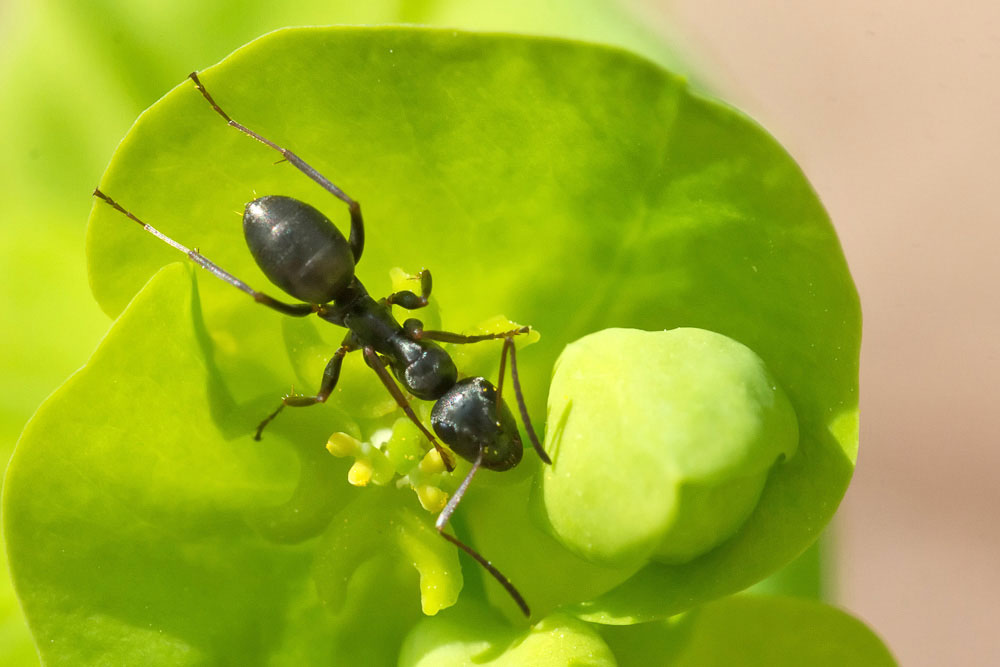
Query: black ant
{"x":304,"y":254}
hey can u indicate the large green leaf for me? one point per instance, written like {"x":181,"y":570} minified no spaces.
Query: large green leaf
{"x":568,"y":186}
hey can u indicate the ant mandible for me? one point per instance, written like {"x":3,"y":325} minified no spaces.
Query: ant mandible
{"x":305,"y":255}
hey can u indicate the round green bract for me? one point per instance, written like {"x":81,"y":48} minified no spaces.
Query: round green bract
{"x":684,"y":424}
{"x":568,"y":186}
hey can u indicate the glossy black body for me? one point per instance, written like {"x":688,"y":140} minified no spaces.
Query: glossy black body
{"x":305,"y":255}
{"x":422,"y":366}
{"x":298,"y":248}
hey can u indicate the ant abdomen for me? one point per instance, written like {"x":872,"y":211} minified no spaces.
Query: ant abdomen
{"x":298,"y":248}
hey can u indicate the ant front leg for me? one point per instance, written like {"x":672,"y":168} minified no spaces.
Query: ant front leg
{"x":508,"y":346}
{"x":415,"y":330}
{"x":409,"y":300}
{"x":330,"y":377}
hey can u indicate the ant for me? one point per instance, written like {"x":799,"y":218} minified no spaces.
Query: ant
{"x":304,"y":254}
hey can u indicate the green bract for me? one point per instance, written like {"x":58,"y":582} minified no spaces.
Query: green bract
{"x":567,"y":186}
{"x":662,"y":442}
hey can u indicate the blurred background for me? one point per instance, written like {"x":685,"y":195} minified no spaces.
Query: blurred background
{"x":889,"y":106}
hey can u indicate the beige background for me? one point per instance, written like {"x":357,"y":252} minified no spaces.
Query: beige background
{"x":893,"y":110}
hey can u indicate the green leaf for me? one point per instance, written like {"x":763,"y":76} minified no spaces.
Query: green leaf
{"x":751,"y":631}
{"x":567,"y":186}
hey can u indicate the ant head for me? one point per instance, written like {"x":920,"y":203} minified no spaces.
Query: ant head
{"x":297,"y":248}
{"x":469,"y":419}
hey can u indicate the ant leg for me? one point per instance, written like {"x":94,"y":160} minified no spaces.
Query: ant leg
{"x":294,"y":309}
{"x":417,"y":332}
{"x":330,"y":376}
{"x":503,"y":367}
{"x":357,"y":237}
{"x":409,"y":300}
{"x":442,"y":521}
{"x":373,"y":360}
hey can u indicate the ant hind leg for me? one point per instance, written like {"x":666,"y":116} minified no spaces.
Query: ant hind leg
{"x":357,"y":237}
